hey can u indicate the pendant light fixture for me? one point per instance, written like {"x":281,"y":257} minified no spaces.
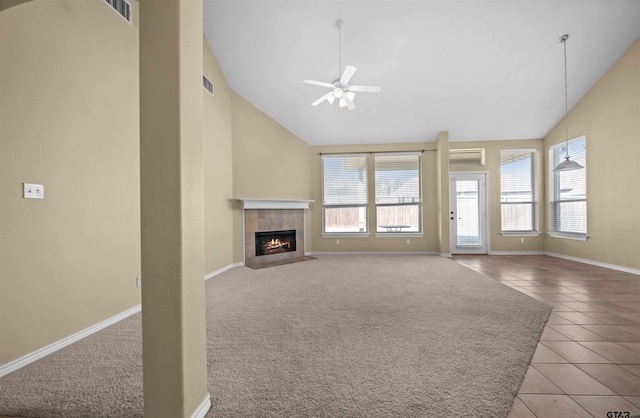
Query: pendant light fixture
{"x":567,"y":164}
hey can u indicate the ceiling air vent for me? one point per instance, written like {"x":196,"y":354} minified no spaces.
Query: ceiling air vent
{"x":208,"y":85}
{"x":122,"y":7}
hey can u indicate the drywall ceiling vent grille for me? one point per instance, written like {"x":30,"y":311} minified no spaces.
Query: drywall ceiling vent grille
{"x":123,"y":7}
{"x":208,"y":85}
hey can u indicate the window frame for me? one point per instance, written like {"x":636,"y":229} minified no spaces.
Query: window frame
{"x":325,"y":206}
{"x":554,"y":192}
{"x":419,"y":204}
{"x":535,"y":215}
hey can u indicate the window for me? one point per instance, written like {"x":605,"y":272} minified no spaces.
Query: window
{"x":344,"y":194}
{"x":398,"y":193}
{"x":519,"y":209}
{"x":568,"y":191}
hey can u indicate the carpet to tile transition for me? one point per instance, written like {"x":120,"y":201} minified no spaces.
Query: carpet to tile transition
{"x":340,"y":336}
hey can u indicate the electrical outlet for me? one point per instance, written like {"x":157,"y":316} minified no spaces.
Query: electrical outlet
{"x":408,"y":240}
{"x":217,"y":255}
{"x":205,"y":259}
{"x":32,"y":191}
{"x":338,"y":241}
{"x":139,"y":281}
{"x":521,"y":240}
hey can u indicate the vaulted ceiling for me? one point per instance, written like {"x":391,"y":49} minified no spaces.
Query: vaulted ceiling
{"x":481,"y":69}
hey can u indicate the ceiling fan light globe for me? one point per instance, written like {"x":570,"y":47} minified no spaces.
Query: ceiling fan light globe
{"x":337,"y":92}
{"x":331,"y":99}
{"x":342,"y":103}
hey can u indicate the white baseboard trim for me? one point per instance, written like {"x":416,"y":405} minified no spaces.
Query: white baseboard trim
{"x":222,"y":270}
{"x":595,"y":263}
{"x":448,"y":255}
{"x":203,"y":408}
{"x":373,"y":253}
{"x":5,"y":369}
{"x":516,"y":252}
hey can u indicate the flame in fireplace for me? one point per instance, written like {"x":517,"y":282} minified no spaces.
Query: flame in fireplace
{"x":276,"y":243}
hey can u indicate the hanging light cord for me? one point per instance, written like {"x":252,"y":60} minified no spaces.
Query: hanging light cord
{"x":339,"y":24}
{"x":567,"y":164}
{"x":566,"y":100}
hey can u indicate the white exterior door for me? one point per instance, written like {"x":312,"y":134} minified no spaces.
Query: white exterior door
{"x":468,"y":213}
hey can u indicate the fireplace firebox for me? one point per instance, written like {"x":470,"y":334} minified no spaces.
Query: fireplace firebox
{"x":275,"y":242}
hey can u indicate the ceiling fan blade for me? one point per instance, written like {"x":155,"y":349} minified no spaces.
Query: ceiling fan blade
{"x":347,"y":74}
{"x":322,"y":99}
{"x":348,"y":102}
{"x":365,"y":89}
{"x":319,"y":83}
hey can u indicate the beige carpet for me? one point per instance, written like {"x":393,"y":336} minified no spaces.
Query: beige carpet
{"x":340,"y":336}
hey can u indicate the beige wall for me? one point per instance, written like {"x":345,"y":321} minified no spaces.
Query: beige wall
{"x":429,"y":242}
{"x":268,"y":162}
{"x":68,"y":120}
{"x":498,"y":242}
{"x":435,"y":217}
{"x":217,"y":162}
{"x":609,"y":116}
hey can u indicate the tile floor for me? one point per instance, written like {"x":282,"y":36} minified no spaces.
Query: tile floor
{"x":588,"y":359}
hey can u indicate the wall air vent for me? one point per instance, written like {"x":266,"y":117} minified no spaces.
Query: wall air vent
{"x":208,"y":85}
{"x":467,"y":156}
{"x":123,"y":7}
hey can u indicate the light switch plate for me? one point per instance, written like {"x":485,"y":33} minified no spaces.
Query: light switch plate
{"x":33,"y":191}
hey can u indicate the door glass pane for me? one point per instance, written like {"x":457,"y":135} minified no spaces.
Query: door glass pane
{"x":468,"y":219}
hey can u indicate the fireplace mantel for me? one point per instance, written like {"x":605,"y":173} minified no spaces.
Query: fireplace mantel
{"x":274,"y":203}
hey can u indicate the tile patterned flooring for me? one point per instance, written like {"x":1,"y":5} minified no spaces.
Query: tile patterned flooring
{"x":587,"y":363}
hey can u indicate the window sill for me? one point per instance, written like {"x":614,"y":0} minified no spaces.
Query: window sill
{"x":345,"y":235}
{"x":568,"y":236}
{"x":520,"y":234}
{"x":399,"y":235}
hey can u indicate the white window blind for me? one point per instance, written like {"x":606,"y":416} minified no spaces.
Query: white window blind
{"x":518,"y":191}
{"x":398,"y":192}
{"x":344,"y":193}
{"x":568,"y":190}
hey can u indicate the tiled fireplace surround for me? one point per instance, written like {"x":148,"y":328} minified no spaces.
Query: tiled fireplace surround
{"x":263,"y":220}
{"x":265,"y":215}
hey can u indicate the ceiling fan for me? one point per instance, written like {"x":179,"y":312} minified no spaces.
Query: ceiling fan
{"x":340,"y":88}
